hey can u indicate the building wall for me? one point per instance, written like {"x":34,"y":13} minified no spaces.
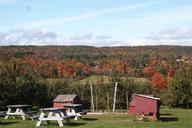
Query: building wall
{"x":60,"y":105}
{"x":77,"y":100}
{"x":132,"y":110}
{"x":145,"y":105}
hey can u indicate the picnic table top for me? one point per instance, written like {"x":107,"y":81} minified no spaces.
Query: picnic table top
{"x":52,"y":109}
{"x":19,"y":106}
{"x":2,"y":112}
{"x":72,"y":105}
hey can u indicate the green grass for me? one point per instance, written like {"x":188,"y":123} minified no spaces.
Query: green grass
{"x":170,"y":118}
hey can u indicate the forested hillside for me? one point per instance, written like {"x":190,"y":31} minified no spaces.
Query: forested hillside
{"x":81,"y":61}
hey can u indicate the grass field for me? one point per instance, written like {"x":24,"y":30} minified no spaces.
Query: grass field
{"x":170,"y":118}
{"x":106,"y":79}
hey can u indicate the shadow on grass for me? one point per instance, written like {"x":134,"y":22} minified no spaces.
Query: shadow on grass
{"x":8,"y":123}
{"x":75,"y":124}
{"x":89,"y":119}
{"x":165,"y":114}
{"x":168,"y":119}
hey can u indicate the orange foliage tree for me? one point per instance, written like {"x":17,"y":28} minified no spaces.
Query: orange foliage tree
{"x":149,"y":70}
{"x":158,"y":81}
{"x":171,"y":72}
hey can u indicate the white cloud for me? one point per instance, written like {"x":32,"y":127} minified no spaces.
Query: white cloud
{"x":27,"y":37}
{"x":180,"y":33}
{"x":179,"y":36}
{"x":143,"y":42}
{"x":103,"y":37}
{"x":44,"y":37}
{"x":82,"y":37}
{"x":89,"y":15}
{"x":90,"y":40}
{"x":94,"y":42}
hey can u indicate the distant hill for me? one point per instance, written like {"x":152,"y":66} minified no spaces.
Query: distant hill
{"x":73,"y":61}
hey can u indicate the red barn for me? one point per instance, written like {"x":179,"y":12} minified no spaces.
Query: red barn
{"x":145,"y":104}
{"x":62,"y":100}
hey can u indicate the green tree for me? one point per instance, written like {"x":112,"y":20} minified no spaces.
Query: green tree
{"x":179,"y":93}
{"x":7,"y":88}
{"x":30,"y":91}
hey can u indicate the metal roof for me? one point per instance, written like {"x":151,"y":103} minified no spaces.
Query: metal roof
{"x":148,"y":96}
{"x":63,"y":98}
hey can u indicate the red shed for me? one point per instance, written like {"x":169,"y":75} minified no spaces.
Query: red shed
{"x":145,"y":104}
{"x":62,"y":100}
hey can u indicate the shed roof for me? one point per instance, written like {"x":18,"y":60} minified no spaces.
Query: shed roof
{"x":148,"y":96}
{"x":63,"y":98}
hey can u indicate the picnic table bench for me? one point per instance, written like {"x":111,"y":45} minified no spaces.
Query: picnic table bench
{"x":53,"y":114}
{"x":2,"y":113}
{"x":19,"y":110}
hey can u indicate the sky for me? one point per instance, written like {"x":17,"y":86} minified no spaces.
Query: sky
{"x":96,"y":22}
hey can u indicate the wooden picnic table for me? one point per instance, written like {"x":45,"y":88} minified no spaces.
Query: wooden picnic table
{"x":52,"y":114}
{"x":18,"y":110}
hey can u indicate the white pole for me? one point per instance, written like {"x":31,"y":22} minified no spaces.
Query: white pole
{"x":115,"y":93}
{"x":92,"y":102}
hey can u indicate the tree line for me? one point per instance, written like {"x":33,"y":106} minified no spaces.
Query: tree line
{"x":29,"y":89}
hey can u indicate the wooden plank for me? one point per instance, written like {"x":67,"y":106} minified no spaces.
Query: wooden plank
{"x":115,"y":94}
{"x":15,"y":114}
{"x":127,"y":100}
{"x":50,"y":119}
{"x":92,"y":102}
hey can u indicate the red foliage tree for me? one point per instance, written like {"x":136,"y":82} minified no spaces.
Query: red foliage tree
{"x":171,"y":72}
{"x":149,"y":70}
{"x":158,"y":81}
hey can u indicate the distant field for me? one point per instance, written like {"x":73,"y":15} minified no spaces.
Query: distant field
{"x":97,"y":79}
{"x":170,"y":118}
{"x":106,"y":79}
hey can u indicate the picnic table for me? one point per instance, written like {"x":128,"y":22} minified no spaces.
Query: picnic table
{"x":74,"y":109}
{"x":53,"y":114}
{"x":18,"y":110}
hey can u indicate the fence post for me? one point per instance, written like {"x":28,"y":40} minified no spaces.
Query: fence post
{"x":127,"y":100}
{"x":92,"y":102}
{"x":115,"y":93}
{"x":107,"y":100}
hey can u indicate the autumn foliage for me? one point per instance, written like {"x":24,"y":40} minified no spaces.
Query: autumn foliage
{"x":149,"y":70}
{"x":158,"y":81}
{"x":171,"y":73}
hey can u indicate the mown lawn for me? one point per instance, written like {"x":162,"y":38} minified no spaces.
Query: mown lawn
{"x":170,"y":118}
